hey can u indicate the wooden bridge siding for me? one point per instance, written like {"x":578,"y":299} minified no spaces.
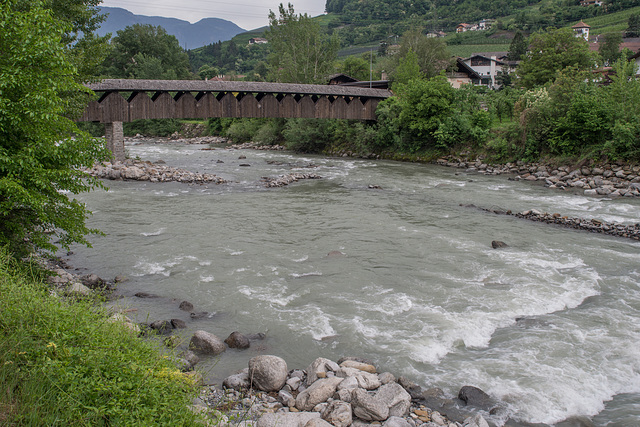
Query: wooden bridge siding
{"x":114,"y":108}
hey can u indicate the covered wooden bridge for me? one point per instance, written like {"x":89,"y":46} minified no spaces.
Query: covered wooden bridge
{"x":124,"y":100}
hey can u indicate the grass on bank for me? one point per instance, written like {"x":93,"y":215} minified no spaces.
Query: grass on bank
{"x":63,"y":363}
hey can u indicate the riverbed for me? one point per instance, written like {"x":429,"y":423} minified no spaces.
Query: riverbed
{"x":385,"y":260}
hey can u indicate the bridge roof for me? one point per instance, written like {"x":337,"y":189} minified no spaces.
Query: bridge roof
{"x":126,"y":85}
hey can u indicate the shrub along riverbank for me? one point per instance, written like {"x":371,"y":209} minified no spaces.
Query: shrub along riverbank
{"x":64,"y":363}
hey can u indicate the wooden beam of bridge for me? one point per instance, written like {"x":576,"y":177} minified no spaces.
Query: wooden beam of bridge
{"x":173,"y":99}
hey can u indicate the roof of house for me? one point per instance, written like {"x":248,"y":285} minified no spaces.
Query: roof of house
{"x":464,"y":68}
{"x":581,"y":24}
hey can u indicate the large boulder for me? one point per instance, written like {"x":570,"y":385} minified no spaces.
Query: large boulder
{"x":318,"y":392}
{"x":390,"y":400}
{"x":207,"y":343}
{"x":473,"y":396}
{"x":268,"y":373}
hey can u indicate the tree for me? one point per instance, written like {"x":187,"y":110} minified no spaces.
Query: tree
{"x":39,"y":161}
{"x":300,"y":53}
{"x":551,"y":52}
{"x":408,"y":69}
{"x":431,"y":53}
{"x":633,"y":29}
{"x":356,"y":67}
{"x":146,"y":52}
{"x":609,"y":50}
{"x":518,"y":47}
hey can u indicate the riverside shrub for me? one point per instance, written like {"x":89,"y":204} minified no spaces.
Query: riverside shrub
{"x":63,"y":363}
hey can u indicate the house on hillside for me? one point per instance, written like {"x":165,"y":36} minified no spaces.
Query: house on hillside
{"x":463,"y":28}
{"x":436,"y":34}
{"x":587,"y":3}
{"x":486,"y":24}
{"x":581,"y":30}
{"x":258,"y":40}
{"x":489,"y":67}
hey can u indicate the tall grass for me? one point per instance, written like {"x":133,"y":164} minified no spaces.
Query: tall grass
{"x":64,"y":364}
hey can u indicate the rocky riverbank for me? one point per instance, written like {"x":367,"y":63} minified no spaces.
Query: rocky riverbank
{"x":612,"y":180}
{"x":137,"y":170}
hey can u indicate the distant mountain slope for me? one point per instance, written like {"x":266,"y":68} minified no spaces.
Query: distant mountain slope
{"x":203,"y":32}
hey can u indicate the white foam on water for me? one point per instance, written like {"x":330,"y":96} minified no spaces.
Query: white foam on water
{"x":310,"y":320}
{"x":276,"y":294}
{"x":303,"y":259}
{"x":154,"y":233}
{"x":207,"y":279}
{"x":300,"y":275}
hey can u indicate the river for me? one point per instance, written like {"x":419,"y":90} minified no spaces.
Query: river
{"x":550,"y":325}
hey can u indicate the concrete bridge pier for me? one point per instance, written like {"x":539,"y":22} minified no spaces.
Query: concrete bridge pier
{"x":115,"y":140}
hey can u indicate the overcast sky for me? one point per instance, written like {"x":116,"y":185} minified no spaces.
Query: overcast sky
{"x":248,"y":14}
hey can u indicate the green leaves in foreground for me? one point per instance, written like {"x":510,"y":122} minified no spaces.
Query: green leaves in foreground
{"x":39,"y":160}
{"x":65,"y":364}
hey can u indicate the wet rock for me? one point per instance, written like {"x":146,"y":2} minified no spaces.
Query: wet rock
{"x":496,"y":244}
{"x":237,"y":340}
{"x":257,"y":337}
{"x":163,"y":327}
{"x":178,"y":324}
{"x":190,"y":357}
{"x":473,"y":396}
{"x":199,"y":315}
{"x":268,"y":373}
{"x":239,"y":381}
{"x":207,"y":343}
{"x":186,"y":306}
{"x":92,"y":281}
{"x":412,"y":388}
{"x":144,"y":295}
{"x":475,"y":421}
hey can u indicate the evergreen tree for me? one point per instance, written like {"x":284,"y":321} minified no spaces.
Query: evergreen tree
{"x":518,"y":47}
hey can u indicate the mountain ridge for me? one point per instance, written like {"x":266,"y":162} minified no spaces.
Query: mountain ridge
{"x":190,"y":36}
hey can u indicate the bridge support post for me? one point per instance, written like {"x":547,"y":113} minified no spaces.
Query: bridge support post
{"x":115,"y":140}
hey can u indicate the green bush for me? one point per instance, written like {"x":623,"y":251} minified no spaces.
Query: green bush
{"x":152,"y":127}
{"x":308,"y":135}
{"x":64,"y":363}
{"x":243,"y":130}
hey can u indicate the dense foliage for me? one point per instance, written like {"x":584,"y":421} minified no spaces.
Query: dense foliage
{"x":300,"y":52}
{"x":551,"y":52}
{"x":65,"y":364}
{"x":146,"y":52}
{"x":39,"y":160}
{"x":230,"y":58}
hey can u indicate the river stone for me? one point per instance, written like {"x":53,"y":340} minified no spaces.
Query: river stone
{"x":286,"y":398}
{"x":268,"y":373}
{"x":294,"y":382}
{"x":186,"y":306}
{"x":414,"y":390}
{"x":178,"y":324}
{"x":475,"y":421}
{"x":473,"y":396}
{"x":338,"y":413}
{"x":349,"y":383}
{"x":367,"y":407}
{"x":359,"y":365}
{"x":396,"y":422}
{"x":396,"y":397}
{"x":163,"y":327}
{"x":496,"y":244}
{"x":317,"y":422}
{"x":286,"y":419}
{"x":92,"y":281}
{"x":318,"y":392}
{"x":238,"y":382}
{"x":133,"y":172}
{"x":207,"y":343}
{"x":365,"y":380}
{"x":76,"y":289}
{"x":190,"y":357}
{"x":237,"y":340}
{"x":386,"y":378}
{"x":319,"y":369}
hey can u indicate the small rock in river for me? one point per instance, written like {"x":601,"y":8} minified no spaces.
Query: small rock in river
{"x":496,"y":244}
{"x":186,"y":306}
